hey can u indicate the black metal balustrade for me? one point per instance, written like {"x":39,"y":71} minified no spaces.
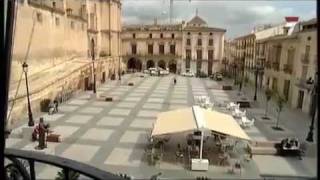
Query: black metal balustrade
{"x":22,"y":166}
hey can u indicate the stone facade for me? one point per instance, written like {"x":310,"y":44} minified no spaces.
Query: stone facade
{"x":287,"y":55}
{"x":55,"y":38}
{"x":191,"y":46}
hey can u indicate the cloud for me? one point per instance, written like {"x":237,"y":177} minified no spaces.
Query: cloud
{"x":238,"y":17}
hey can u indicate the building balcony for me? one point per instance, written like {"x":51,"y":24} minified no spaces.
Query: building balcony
{"x":305,"y":59}
{"x":141,"y":55}
{"x":275,"y":66}
{"x":287,"y":68}
{"x":304,"y":84}
{"x":268,"y":64}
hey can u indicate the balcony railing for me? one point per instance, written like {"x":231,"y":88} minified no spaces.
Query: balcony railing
{"x":287,"y":68}
{"x":305,"y":59}
{"x":304,"y":84}
{"x":275,"y":66}
{"x":21,"y":164}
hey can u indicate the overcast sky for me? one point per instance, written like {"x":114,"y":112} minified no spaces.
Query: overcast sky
{"x":238,"y":17}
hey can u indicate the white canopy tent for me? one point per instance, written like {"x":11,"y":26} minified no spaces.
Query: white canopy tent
{"x":196,"y":118}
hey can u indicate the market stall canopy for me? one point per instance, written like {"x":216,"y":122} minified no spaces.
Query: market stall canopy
{"x":196,"y":118}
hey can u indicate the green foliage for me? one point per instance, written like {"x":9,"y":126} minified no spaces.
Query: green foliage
{"x":72,"y":175}
{"x":268,"y":94}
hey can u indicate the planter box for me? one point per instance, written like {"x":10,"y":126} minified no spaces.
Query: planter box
{"x":227,"y":88}
{"x":108,"y":99}
{"x":130,"y":84}
{"x":53,"y":138}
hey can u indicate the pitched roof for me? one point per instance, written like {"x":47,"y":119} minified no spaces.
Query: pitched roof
{"x":197,"y":20}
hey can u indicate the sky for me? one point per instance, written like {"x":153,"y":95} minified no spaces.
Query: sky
{"x":237,"y":17}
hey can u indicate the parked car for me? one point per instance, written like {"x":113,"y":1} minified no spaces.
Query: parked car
{"x":188,"y":74}
{"x":218,"y":77}
{"x":164,"y":72}
{"x":146,"y":71}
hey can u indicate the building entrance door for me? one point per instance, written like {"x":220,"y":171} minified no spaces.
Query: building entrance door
{"x":86,"y":84}
{"x":300,"y":99}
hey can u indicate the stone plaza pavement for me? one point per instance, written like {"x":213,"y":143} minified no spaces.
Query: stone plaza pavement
{"x":112,"y":135}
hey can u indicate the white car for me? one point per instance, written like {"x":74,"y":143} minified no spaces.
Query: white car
{"x":154,"y":73}
{"x":146,"y":71}
{"x":188,"y":74}
{"x":164,"y":72}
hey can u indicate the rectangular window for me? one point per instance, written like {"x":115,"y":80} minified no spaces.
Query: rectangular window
{"x":161,"y":49}
{"x":199,"y":54}
{"x":134,"y":49}
{"x":91,"y":21}
{"x":72,"y":25}
{"x":188,"y":54}
{"x":188,"y":42}
{"x":210,"y":42}
{"x":57,"y":21}
{"x":172,"y":36}
{"x":290,"y":56}
{"x":39,"y":17}
{"x":150,"y":48}
{"x":133,"y":35}
{"x":199,"y":42}
{"x":210,"y":55}
{"x":286,"y":88}
{"x":307,"y":51}
{"x":172,"y":49}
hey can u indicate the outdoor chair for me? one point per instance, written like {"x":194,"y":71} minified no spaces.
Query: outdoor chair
{"x":247,"y":123}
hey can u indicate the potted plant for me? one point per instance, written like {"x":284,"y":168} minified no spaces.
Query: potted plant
{"x":72,"y":175}
{"x":280,"y":103}
{"x":268,"y":94}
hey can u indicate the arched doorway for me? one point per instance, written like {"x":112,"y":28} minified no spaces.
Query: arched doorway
{"x":173,"y":66}
{"x":134,"y":65}
{"x":162,"y":64}
{"x":150,"y":64}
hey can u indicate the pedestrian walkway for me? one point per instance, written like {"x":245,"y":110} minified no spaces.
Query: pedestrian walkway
{"x":113,"y":135}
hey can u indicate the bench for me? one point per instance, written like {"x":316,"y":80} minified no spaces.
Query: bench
{"x":263,"y":147}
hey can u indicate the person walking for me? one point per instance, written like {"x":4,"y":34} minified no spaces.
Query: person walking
{"x":56,"y":104}
{"x":174,"y":81}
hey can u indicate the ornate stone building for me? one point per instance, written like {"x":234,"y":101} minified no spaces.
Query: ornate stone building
{"x":191,"y":46}
{"x":55,"y":38}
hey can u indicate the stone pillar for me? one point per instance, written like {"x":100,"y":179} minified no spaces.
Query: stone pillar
{"x":204,"y":66}
{"x":193,"y":66}
{"x":144,"y":65}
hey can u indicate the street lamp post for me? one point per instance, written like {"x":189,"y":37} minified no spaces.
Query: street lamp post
{"x":314,"y":109}
{"x":119,"y":69}
{"x":256,"y":83}
{"x":93,"y":67}
{"x":25,"y":70}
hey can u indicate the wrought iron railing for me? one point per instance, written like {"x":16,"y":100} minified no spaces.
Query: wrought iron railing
{"x":21,"y":165}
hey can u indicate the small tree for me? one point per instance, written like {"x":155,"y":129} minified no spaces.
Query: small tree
{"x":246,"y":80}
{"x":268,"y":94}
{"x":72,"y":175}
{"x":280,"y":102}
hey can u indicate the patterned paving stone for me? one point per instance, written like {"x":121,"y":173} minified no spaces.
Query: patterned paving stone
{"x":178,"y":101}
{"x":91,"y":110}
{"x":148,"y":113}
{"x":79,"y":119}
{"x":137,"y":123}
{"x":77,"y":102}
{"x":110,"y":121}
{"x":125,"y":157}
{"x":120,"y":112}
{"x":101,"y":103}
{"x":10,"y":142}
{"x":133,"y":99}
{"x":127,"y":104}
{"x":97,"y":134}
{"x":82,"y":153}
{"x":155,"y":100}
{"x":152,"y":106}
{"x":65,"y":131}
{"x":136,"y":137}
{"x":67,"y":108}
{"x":52,"y":117}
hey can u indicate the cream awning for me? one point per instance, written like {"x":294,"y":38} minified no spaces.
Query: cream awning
{"x":196,"y":118}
